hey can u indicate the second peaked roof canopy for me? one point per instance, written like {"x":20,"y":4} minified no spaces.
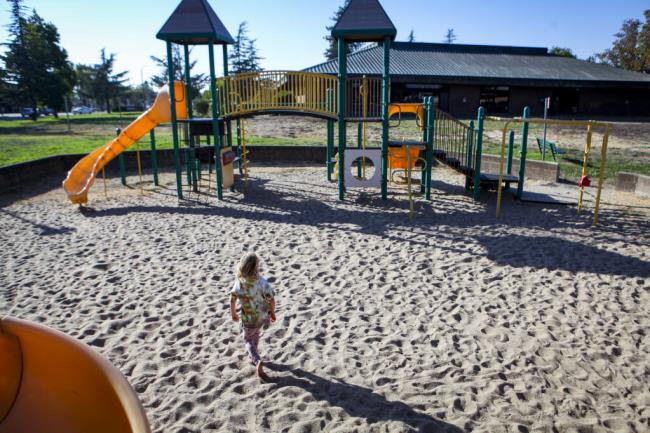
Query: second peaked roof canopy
{"x":364,"y":20}
{"x":194,"y":22}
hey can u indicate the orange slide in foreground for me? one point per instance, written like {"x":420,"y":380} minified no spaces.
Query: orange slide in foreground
{"x":52,"y":383}
{"x":82,"y":175}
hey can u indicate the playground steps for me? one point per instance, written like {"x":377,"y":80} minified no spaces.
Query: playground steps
{"x":494,"y":178}
{"x":488,"y":179}
{"x":407,"y":143}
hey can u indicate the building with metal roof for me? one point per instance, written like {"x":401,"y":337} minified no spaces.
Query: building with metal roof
{"x":503,"y":79}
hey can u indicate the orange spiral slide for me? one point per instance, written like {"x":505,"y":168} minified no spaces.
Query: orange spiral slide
{"x":52,"y":383}
{"x":82,"y":176}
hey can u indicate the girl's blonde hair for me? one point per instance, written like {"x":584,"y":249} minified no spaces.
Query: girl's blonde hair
{"x":249,"y":266}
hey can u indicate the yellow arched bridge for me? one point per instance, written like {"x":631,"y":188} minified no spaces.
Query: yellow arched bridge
{"x":293,"y":92}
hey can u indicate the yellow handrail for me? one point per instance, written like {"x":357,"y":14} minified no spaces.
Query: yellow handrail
{"x":277,"y":91}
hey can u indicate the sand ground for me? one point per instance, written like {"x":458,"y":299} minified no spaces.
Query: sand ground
{"x":451,"y":321}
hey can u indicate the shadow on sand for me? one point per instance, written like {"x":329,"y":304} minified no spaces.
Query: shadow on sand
{"x":553,"y":253}
{"x":287,"y":203}
{"x":356,"y":400}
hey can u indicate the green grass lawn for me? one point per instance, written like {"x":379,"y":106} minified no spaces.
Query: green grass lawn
{"x":25,"y":140}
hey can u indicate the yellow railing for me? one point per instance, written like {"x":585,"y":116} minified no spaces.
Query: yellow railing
{"x":253,"y":92}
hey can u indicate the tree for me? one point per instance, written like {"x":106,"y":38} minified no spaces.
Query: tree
{"x":4,"y":91}
{"x":644,"y":43}
{"x":625,"y":53}
{"x":198,"y":81}
{"x":562,"y":52}
{"x":331,"y":52}
{"x":451,"y":37}
{"x":37,"y":69}
{"x":100,"y":82}
{"x":244,"y":56}
{"x":411,"y":36}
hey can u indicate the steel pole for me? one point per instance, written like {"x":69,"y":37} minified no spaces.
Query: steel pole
{"x":172,"y":98}
{"x":524,"y":153}
{"x":342,"y":78}
{"x":385,"y":100}
{"x":215,"y":122}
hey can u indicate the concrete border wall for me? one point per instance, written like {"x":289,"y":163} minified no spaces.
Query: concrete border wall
{"x":639,"y":184}
{"x":537,"y":170}
{"x":12,"y":177}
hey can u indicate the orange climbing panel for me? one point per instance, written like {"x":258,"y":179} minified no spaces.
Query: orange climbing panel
{"x":400,"y":108}
{"x":398,"y":157}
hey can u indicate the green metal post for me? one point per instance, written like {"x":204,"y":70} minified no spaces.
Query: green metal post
{"x":478,"y":154}
{"x":172,"y":98}
{"x":215,"y":121}
{"x":239,"y":143}
{"x":330,"y":136}
{"x":120,"y":160}
{"x":469,"y":153}
{"x":154,"y":156}
{"x":359,"y":145}
{"x":343,"y":75}
{"x":192,"y":167}
{"x":227,"y":94}
{"x":385,"y":92}
{"x":511,"y":151}
{"x":430,"y":124}
{"x":425,"y":137}
{"x":470,"y":144}
{"x":524,"y":152}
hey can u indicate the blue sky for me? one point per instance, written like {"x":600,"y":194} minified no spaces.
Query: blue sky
{"x":290,"y":33}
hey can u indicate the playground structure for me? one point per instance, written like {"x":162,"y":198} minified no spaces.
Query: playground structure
{"x":336,"y":99}
{"x":82,"y":175}
{"x":525,"y":121}
{"x":50,"y":382}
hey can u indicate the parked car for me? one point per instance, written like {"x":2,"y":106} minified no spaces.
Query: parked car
{"x":82,"y":110}
{"x":29,"y":112}
{"x":47,"y":111}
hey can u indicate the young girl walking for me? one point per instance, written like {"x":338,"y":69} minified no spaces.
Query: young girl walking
{"x":256,"y":306}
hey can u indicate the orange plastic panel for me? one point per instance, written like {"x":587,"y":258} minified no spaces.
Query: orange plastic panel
{"x":407,"y":107}
{"x":66,"y":387}
{"x":398,"y":157}
{"x":82,"y":176}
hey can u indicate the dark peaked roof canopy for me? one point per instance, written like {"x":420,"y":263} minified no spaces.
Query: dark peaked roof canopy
{"x":364,"y":20}
{"x":194,"y":22}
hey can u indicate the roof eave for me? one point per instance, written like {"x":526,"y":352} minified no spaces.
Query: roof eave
{"x":194,"y":38}
{"x":365,"y":35}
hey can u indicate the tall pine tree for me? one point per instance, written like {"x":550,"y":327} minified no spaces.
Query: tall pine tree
{"x":100,"y":82}
{"x":36,"y":67}
{"x":450,"y":37}
{"x":243,"y":55}
{"x":411,"y":37}
{"x":198,"y":81}
{"x":331,"y":52}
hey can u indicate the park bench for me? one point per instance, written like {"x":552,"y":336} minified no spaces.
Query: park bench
{"x":549,"y":145}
